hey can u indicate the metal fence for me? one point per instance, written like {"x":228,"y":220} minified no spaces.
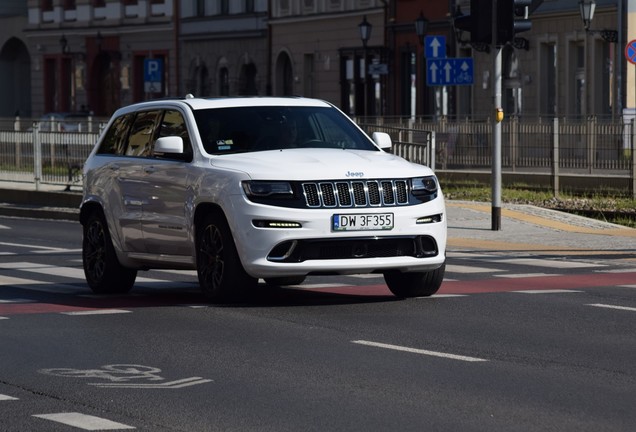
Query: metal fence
{"x":44,"y":157}
{"x":590,"y":154}
{"x":581,"y":155}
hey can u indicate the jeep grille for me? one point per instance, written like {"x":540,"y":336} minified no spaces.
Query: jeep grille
{"x":356,"y":193}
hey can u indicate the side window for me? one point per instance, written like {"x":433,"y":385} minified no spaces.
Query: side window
{"x":114,"y":141}
{"x":141,"y":134}
{"x":173,"y":124}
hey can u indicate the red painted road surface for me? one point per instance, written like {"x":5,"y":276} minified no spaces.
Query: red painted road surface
{"x":493,"y":285}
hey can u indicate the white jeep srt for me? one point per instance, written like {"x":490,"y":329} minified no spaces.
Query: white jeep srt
{"x":247,"y":188}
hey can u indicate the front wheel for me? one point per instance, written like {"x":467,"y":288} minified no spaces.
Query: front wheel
{"x":221,"y":274}
{"x":416,"y":284}
{"x":104,"y":273}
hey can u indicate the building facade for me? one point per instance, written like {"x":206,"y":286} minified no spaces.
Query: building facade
{"x":92,"y":54}
{"x":365,"y":56}
{"x":223,"y":47}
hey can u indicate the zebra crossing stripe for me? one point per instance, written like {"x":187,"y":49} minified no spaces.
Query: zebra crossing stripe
{"x":83,"y":421}
{"x":7,"y":397}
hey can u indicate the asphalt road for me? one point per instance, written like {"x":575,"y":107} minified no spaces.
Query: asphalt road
{"x":516,"y":340}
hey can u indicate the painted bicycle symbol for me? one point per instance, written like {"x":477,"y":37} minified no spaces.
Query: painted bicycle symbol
{"x":114,"y":373}
{"x":125,"y":376}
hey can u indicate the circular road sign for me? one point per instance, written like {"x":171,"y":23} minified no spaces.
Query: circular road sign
{"x":630,"y":52}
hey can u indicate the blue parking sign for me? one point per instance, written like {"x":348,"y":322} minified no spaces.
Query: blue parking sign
{"x":153,"y":75}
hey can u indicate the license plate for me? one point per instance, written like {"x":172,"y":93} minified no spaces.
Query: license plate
{"x":362,"y":222}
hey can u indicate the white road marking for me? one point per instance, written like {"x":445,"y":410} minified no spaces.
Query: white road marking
{"x":624,"y":308}
{"x":549,"y":263}
{"x":16,"y":300}
{"x":526,"y":275}
{"x":35,"y":285}
{"x":622,"y":270}
{"x":69,"y":272}
{"x":84,"y":421}
{"x":552,"y":291}
{"x":470,"y":269}
{"x":34,"y":247}
{"x":7,"y":397}
{"x":319,"y":286}
{"x":97,"y":312}
{"x":419,"y":351}
{"x":185,"y":382}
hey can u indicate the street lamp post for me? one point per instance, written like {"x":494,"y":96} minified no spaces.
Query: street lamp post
{"x":365,"y":28}
{"x":421,"y":23}
{"x":587,"y":9}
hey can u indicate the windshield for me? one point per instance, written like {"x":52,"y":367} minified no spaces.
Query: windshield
{"x":249,"y":129}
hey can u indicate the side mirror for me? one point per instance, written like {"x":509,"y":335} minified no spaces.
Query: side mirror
{"x":170,"y":145}
{"x":383,"y":140}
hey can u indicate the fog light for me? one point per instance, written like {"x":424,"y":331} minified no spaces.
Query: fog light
{"x":275,"y":224}
{"x":429,"y":219}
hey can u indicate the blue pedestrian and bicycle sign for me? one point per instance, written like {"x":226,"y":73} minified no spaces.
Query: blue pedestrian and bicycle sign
{"x":449,"y":71}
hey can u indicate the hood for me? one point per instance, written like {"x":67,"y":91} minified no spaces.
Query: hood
{"x":320,"y":164}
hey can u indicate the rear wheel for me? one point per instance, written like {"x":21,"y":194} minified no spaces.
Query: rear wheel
{"x":417,"y":284}
{"x":221,"y":274}
{"x":104,"y":273}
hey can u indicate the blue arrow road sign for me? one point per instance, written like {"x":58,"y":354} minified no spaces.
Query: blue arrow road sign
{"x":435,"y":47}
{"x":449,"y":71}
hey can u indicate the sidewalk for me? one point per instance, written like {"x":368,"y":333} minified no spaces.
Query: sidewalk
{"x":523,"y":227}
{"x":537,"y":230}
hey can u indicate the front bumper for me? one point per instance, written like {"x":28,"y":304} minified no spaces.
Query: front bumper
{"x":314,"y":248}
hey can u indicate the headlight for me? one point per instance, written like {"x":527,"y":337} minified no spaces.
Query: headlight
{"x":262,"y":188}
{"x":424,"y":184}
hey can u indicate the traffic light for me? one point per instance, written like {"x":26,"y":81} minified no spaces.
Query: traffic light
{"x":512,"y":18}
{"x":478,"y":23}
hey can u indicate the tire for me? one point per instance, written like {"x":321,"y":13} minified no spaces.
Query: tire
{"x":418,"y":284}
{"x":104,"y":273}
{"x":221,"y":274}
{"x":285,"y":280}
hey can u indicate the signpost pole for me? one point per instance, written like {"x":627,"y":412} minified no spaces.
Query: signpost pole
{"x":496,"y":125}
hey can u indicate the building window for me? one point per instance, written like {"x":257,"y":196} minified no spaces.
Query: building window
{"x":99,"y":3}
{"x":224,"y":82}
{"x":69,"y":4}
{"x":46,"y":5}
{"x":578,"y":81}
{"x":335,"y":5}
{"x":224,"y":7}
{"x":309,"y":6}
{"x":129,"y":2}
{"x":200,"y":8}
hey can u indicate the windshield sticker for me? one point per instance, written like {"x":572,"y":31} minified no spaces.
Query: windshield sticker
{"x":224,"y":144}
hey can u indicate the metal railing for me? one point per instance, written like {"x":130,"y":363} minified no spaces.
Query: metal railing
{"x":591,"y":153}
{"x":44,"y":157}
